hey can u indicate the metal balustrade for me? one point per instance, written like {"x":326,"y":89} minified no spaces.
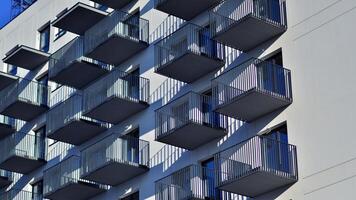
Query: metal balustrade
{"x":190,"y":48}
{"x":24,"y":99}
{"x":189,"y":116}
{"x":69,"y":61}
{"x":66,"y":123}
{"x":115,"y":159}
{"x":9,"y":125}
{"x":63,"y":181}
{"x":22,"y":153}
{"x":15,"y":194}
{"x":192,"y":182}
{"x":252,"y":89}
{"x":6,"y":178}
{"x":185,"y":9}
{"x":116,"y":38}
{"x":256,"y":166}
{"x":120,"y":91}
{"x":244,"y":24}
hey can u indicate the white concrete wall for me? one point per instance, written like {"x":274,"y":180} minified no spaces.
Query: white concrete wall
{"x":317,"y":47}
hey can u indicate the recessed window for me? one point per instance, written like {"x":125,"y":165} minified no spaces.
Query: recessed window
{"x":44,"y":38}
{"x":134,"y":196}
{"x":59,"y":33}
{"x":37,"y":190}
{"x":11,"y":69}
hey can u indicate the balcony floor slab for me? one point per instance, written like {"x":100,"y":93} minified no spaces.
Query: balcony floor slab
{"x":79,"y":18}
{"x":196,"y":65}
{"x":21,"y":164}
{"x":77,"y":132}
{"x":24,"y":110}
{"x":79,"y":74}
{"x":198,"y":135}
{"x":249,"y":32}
{"x":115,"y":110}
{"x":26,"y":57}
{"x":75,"y":191}
{"x":116,"y":49}
{"x":115,"y":4}
{"x":114,"y":173}
{"x":251,"y":105}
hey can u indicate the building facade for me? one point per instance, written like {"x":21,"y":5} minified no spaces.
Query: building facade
{"x":177,"y":99}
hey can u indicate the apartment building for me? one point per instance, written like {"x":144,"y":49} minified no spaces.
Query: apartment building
{"x":177,"y":100}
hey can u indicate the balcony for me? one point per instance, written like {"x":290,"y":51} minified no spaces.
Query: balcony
{"x":190,"y":183}
{"x":26,"y":57}
{"x":24,"y":99}
{"x":66,"y":123}
{"x":256,"y":166}
{"x":15,"y":194}
{"x":116,"y":38}
{"x":62,"y":182}
{"x":22,"y":153}
{"x":115,"y":4}
{"x":69,"y":61}
{"x":124,"y":93}
{"x":6,"y":179}
{"x":189,"y":49}
{"x":6,"y":80}
{"x":252,"y":89}
{"x":244,"y":24}
{"x":185,"y":9}
{"x":8,"y":126}
{"x":115,"y":160}
{"x":189,"y":122}
{"x":79,"y":18}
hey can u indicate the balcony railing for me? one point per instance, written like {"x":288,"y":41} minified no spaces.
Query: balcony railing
{"x":260,"y":19}
{"x":22,"y":152}
{"x":127,"y":155}
{"x":68,"y":61}
{"x":117,"y":26}
{"x":15,"y":194}
{"x":130,"y":91}
{"x":6,"y":178}
{"x":272,"y":81}
{"x":190,"y":48}
{"x":66,"y":123}
{"x":254,"y":161}
{"x":9,"y":125}
{"x":28,"y":92}
{"x":64,"y":176}
{"x":188,"y":110}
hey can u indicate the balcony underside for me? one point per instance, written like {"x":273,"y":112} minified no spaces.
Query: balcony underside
{"x":79,"y":18}
{"x":115,"y":110}
{"x":115,"y":4}
{"x":21,"y":164}
{"x":191,"y":136}
{"x":189,"y":67}
{"x":114,"y":173}
{"x":6,"y":130}
{"x":77,"y":132}
{"x":255,"y":183}
{"x":252,"y":105}
{"x":24,"y":110}
{"x":26,"y":57}
{"x":4,"y":181}
{"x":75,"y":191}
{"x":116,"y":49}
{"x":186,"y":9}
{"x":249,"y":32}
{"x":88,"y":72}
{"x":6,"y":80}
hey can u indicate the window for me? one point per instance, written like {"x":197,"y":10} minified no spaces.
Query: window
{"x":101,"y":7}
{"x":11,"y":69}
{"x":209,"y":179}
{"x":44,"y":38}
{"x":276,"y":149}
{"x":59,"y":33}
{"x":42,"y":90}
{"x":133,"y":84}
{"x":133,"y":146}
{"x":37,"y":190}
{"x":39,"y":142}
{"x":133,"y":24}
{"x":134,"y":196}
